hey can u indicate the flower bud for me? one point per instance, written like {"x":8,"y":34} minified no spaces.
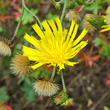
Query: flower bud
{"x":72,"y":4}
{"x":57,"y":6}
{"x":69,"y":102}
{"x":61,"y":98}
{"x":96,"y":20}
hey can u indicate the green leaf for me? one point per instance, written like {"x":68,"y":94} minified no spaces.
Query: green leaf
{"x":28,"y":91}
{"x":41,"y":72}
{"x":50,"y":16}
{"x":97,"y":41}
{"x":1,"y":29}
{"x":106,"y":108}
{"x":27,"y":17}
{"x":105,"y":51}
{"x":92,"y":7}
{"x":3,"y":95}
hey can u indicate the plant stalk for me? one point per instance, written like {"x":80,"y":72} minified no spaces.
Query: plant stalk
{"x":96,"y":7}
{"x":53,"y":73}
{"x":64,"y":9}
{"x":15,"y":33}
{"x":63,"y":82}
{"x":23,"y":3}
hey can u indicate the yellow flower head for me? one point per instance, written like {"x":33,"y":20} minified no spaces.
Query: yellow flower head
{"x":56,"y":46}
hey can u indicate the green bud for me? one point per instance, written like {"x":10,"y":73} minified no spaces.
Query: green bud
{"x":57,"y":6}
{"x":72,"y":4}
{"x":69,"y":100}
{"x":95,"y":20}
{"x":61,"y":98}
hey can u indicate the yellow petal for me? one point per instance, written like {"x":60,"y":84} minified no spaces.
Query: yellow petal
{"x":27,"y":51}
{"x":74,"y":33}
{"x":53,"y":26}
{"x":58,"y":24}
{"x":80,"y":37}
{"x":71,"y":29}
{"x":70,"y":63}
{"x":46,"y":27}
{"x":32,"y":40}
{"x":77,"y":48}
{"x":38,"y":30}
{"x":36,"y":65}
{"x":61,"y":66}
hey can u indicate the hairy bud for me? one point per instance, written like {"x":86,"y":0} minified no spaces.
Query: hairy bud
{"x":96,"y":20}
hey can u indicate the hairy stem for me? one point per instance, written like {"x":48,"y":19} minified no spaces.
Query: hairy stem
{"x":15,"y":33}
{"x":63,"y":82}
{"x":64,"y":9}
{"x":32,"y":14}
{"x":96,"y":7}
{"x":53,"y":73}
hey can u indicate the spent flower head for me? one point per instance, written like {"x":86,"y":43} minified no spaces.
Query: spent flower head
{"x":73,"y":15}
{"x":45,"y":87}
{"x":20,"y":65}
{"x":88,"y":26}
{"x":56,"y":47}
{"x":5,"y":45}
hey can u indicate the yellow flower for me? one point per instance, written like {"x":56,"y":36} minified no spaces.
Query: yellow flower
{"x":56,"y":46}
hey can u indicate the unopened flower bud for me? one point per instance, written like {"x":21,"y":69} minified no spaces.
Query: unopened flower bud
{"x":69,"y":102}
{"x":57,"y":6}
{"x":71,"y":4}
{"x":61,"y":98}
{"x":95,"y":20}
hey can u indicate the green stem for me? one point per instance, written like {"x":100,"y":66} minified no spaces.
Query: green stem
{"x":64,"y":9}
{"x":53,"y":73}
{"x":96,"y":7}
{"x":63,"y":82}
{"x":23,"y":3}
{"x":15,"y":33}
